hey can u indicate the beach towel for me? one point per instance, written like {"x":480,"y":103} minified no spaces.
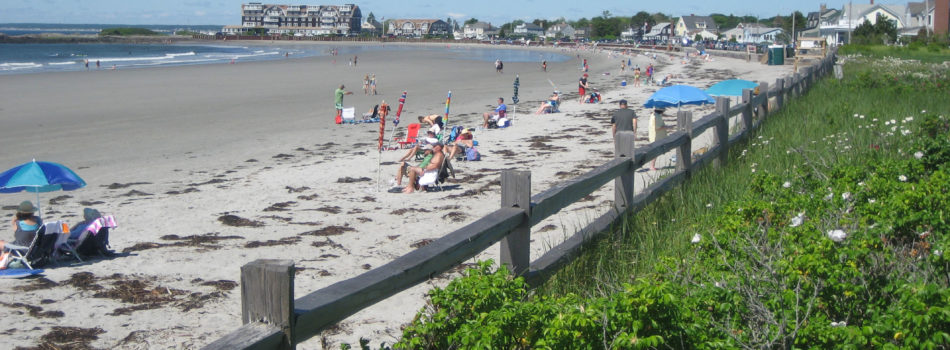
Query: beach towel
{"x":19,"y":273}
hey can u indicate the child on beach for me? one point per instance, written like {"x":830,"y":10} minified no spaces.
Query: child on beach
{"x":366,"y":84}
{"x":372,"y":83}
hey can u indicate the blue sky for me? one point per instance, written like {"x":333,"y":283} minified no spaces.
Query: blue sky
{"x":194,"y":12}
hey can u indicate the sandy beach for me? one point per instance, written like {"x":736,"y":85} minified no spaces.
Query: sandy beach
{"x":209,"y":167}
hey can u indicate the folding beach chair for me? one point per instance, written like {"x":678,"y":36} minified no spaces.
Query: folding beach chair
{"x":412,"y":131}
{"x":445,"y":170}
{"x":93,"y":239}
{"x":37,"y":253}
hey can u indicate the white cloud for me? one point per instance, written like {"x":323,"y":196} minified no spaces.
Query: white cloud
{"x":456,"y":15}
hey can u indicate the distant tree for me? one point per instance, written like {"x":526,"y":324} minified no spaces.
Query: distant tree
{"x":660,"y":17}
{"x":641,"y":18}
{"x":882,"y":32}
{"x":471,"y":21}
{"x":725,"y":22}
{"x":581,"y":23}
{"x":605,"y":27}
{"x":371,"y":17}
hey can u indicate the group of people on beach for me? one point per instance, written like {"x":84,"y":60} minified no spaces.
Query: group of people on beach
{"x":26,"y":225}
{"x":625,"y":119}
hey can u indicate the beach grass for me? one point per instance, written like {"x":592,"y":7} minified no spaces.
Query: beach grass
{"x":818,"y":129}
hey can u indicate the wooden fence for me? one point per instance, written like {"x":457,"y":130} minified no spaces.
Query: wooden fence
{"x":273,"y":319}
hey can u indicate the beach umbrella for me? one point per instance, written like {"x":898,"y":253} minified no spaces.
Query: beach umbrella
{"x":39,"y":177}
{"x":402,"y":101}
{"x":448,"y":101}
{"x":678,"y":95}
{"x":514,"y":98}
{"x":732,"y":87}
{"x":379,"y":151}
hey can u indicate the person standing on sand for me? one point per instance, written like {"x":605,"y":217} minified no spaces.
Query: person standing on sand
{"x":624,"y":119}
{"x":582,"y":87}
{"x":366,"y":84}
{"x":657,"y":130}
{"x":97,"y":64}
{"x":372,"y":83}
{"x":338,"y":102}
{"x":544,"y":66}
{"x":623,"y":66}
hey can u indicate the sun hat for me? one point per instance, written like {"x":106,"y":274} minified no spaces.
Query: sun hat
{"x":26,"y":207}
{"x":90,"y":214}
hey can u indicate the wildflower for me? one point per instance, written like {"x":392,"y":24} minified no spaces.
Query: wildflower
{"x":753,"y":170}
{"x":893,"y":121}
{"x":846,"y":196}
{"x":837,"y":235}
{"x":887,"y":123}
{"x":872,"y":200}
{"x":862,"y":116}
{"x":902,"y":178}
{"x":839,"y":324}
{"x":855,"y":115}
{"x":798,"y":220}
{"x":861,"y":183}
{"x":908,"y":119}
{"x":923,"y":111}
{"x":787,"y":184}
{"x":938,"y":253}
{"x":708,"y":205}
{"x":874,"y":120}
{"x":696,"y":238}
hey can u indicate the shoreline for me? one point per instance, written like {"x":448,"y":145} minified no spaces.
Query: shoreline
{"x":186,"y":157}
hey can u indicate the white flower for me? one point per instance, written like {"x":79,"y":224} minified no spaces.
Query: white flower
{"x":837,"y":235}
{"x":855,"y":115}
{"x":872,"y":200}
{"x":874,"y":120}
{"x":753,"y":170}
{"x":861,"y":183}
{"x":905,"y":132}
{"x":787,"y":184}
{"x":918,"y":154}
{"x":696,"y":238}
{"x":887,"y":123}
{"x":923,"y":111}
{"x":846,"y":196}
{"x":708,"y":205}
{"x":862,"y":116}
{"x":798,"y":220}
{"x":893,"y":128}
{"x":938,"y":253}
{"x":718,"y":285}
{"x":829,"y":196}
{"x":908,"y":119}
{"x":902,"y":178}
{"x":839,"y":324}
{"x":893,"y":121}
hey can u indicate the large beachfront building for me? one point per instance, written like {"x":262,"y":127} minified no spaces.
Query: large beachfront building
{"x":300,"y":19}
{"x":418,"y":28}
{"x":835,"y":26}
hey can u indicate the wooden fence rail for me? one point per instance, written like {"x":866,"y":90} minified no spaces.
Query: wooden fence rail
{"x":267,"y":287}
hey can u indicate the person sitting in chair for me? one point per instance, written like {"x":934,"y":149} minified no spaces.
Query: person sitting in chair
{"x":463,"y":142}
{"x":491,"y":119}
{"x":418,"y":147}
{"x":549,"y":105}
{"x":25,"y":224}
{"x":101,"y":240}
{"x":426,"y":172}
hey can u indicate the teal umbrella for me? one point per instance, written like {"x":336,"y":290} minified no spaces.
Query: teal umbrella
{"x":39,"y":177}
{"x":732,"y":87}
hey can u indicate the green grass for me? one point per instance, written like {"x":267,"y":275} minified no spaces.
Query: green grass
{"x":122,"y":31}
{"x":932,"y":53}
{"x":795,"y":137}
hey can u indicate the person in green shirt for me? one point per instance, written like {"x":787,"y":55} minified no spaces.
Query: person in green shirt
{"x":338,"y":102}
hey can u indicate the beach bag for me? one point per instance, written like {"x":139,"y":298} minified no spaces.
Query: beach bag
{"x":502,"y":122}
{"x":472,"y":154}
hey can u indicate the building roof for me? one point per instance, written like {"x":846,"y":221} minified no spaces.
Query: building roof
{"x":479,"y":25}
{"x":860,"y":10}
{"x":530,"y":26}
{"x":692,"y":22}
{"x":658,"y":28}
{"x":761,"y":30}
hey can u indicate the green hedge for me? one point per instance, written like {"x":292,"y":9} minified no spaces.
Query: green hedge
{"x":127,"y":31}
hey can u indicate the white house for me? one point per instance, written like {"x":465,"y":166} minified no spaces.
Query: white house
{"x":560,"y":30}
{"x":758,"y":35}
{"x":690,"y":26}
{"x":528,"y":29}
{"x":477,"y":30}
{"x":835,"y":29}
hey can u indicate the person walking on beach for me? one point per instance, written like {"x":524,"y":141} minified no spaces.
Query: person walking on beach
{"x":87,"y":64}
{"x":636,"y":76}
{"x":372,"y":83}
{"x":97,"y":64}
{"x":582,"y":87}
{"x":624,"y":119}
{"x":354,"y":60}
{"x":544,"y":66}
{"x":623,"y":66}
{"x":338,"y":102}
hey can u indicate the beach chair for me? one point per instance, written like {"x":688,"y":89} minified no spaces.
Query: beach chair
{"x":445,"y":170}
{"x":36,"y":254}
{"x":93,"y":239}
{"x":349,"y":115}
{"x":372,"y":116}
{"x":412,"y":131}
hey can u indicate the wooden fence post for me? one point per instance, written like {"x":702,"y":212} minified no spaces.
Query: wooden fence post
{"x":623,"y":185}
{"x":764,"y":108}
{"x":747,"y":111}
{"x":267,"y":296}
{"x":780,"y":96}
{"x":684,"y":121}
{"x":515,"y":247}
{"x":721,"y":136}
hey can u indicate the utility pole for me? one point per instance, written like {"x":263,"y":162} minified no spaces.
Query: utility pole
{"x":849,"y":22}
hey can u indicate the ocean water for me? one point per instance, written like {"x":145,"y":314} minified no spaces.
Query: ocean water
{"x":42,"y":58}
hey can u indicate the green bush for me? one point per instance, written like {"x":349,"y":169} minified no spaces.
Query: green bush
{"x":127,"y":31}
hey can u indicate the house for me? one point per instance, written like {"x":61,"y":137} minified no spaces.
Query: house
{"x":660,"y":32}
{"x":560,"y":30}
{"x":477,"y":30}
{"x":301,"y":19}
{"x":581,"y":33}
{"x":925,"y":16}
{"x":759,"y":35}
{"x":738,"y":33}
{"x":632,"y":33}
{"x":528,"y":29}
{"x":689,"y":26}
{"x":372,"y":28}
{"x":418,"y":28}
{"x":836,"y":28}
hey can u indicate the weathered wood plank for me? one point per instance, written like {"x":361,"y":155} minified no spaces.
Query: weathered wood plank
{"x":748,"y":109}
{"x":684,"y":157}
{"x":319,"y":309}
{"x":558,"y":256}
{"x":557,"y":197}
{"x":252,"y":336}
{"x":623,"y":184}
{"x":710,"y":120}
{"x":267,"y":296}
{"x":658,"y":148}
{"x":516,"y":246}
{"x":721,"y":135}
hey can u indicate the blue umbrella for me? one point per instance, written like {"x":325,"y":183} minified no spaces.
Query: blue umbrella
{"x":731,"y":87}
{"x":678,"y":95}
{"x":39,"y":177}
